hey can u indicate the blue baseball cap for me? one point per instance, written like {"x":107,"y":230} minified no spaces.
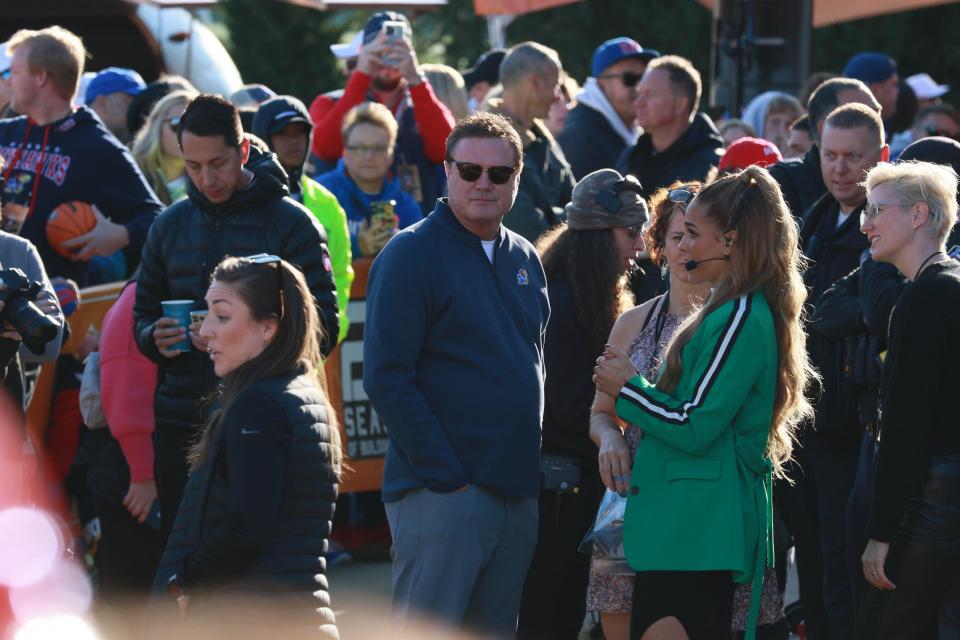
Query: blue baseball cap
{"x":375,"y":22}
{"x":869,"y":67}
{"x":617,"y":49}
{"x":114,"y":80}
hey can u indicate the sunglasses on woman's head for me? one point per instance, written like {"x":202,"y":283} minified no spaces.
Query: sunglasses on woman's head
{"x":174,"y":122}
{"x":266,"y":258}
{"x":681,"y":196}
{"x":472,"y":172}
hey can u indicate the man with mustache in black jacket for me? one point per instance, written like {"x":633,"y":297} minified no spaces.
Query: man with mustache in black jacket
{"x":238,"y":205}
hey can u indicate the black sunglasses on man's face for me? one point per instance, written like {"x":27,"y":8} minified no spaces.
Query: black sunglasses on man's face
{"x":628,"y":78}
{"x":471,"y":172}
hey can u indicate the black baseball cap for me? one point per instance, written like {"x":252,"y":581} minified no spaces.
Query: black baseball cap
{"x":486,"y":68}
{"x":375,"y":23}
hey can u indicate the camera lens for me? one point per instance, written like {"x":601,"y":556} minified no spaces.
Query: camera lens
{"x":35,"y":328}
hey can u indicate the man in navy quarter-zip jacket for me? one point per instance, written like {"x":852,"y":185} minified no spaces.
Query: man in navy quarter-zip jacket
{"x":238,"y":204}
{"x":453,"y":364}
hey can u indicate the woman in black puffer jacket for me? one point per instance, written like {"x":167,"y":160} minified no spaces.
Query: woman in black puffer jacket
{"x":248,"y":544}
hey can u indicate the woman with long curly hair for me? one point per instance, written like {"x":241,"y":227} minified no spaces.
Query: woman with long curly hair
{"x":719,"y":421}
{"x":156,"y":150}
{"x":585,"y":261}
{"x":642,"y":332}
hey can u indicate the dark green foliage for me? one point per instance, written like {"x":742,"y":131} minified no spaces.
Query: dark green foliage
{"x":575,"y":30}
{"x":283,"y":46}
{"x":920,"y":41}
{"x":286,"y":47}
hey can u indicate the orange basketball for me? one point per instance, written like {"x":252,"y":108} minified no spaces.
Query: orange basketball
{"x":69,"y":220}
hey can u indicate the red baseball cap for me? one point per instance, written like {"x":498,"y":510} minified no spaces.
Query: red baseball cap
{"x":746,"y":152}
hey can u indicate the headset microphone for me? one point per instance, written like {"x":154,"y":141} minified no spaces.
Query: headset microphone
{"x":690,"y":265}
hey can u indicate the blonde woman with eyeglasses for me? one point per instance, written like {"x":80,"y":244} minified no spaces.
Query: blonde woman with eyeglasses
{"x":912,"y":558}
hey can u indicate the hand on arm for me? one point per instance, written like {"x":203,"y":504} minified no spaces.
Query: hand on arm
{"x":726,"y":364}
{"x":613,"y":370}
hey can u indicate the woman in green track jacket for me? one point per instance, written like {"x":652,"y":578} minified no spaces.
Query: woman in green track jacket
{"x":719,"y":421}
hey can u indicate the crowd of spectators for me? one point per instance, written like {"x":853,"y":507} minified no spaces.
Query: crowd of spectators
{"x":581,"y":291}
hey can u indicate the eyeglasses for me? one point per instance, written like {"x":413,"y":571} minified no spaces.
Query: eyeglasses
{"x":267,"y":258}
{"x":628,"y":78}
{"x":173,"y":122}
{"x":681,"y":196}
{"x":873,"y":209}
{"x":5,"y":74}
{"x":365,"y":149}
{"x":472,"y":172}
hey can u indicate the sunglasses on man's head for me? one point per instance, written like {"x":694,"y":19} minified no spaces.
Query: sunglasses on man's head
{"x":628,"y":78}
{"x":472,"y":172}
{"x":174,"y":122}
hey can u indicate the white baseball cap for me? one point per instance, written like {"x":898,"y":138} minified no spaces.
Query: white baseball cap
{"x":349,"y":49}
{"x":925,"y":88}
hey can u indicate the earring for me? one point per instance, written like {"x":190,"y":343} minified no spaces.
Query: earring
{"x":728,"y":242}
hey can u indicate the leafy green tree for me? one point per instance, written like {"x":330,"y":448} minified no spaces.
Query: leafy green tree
{"x":920,"y":41}
{"x":284,"y":46}
{"x":575,"y":30}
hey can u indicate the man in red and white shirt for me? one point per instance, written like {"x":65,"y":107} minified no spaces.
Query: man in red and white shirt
{"x":388,"y":72}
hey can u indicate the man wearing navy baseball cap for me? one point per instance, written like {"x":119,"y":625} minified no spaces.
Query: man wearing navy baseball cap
{"x":879,"y":72}
{"x":603,"y":123}
{"x":110,"y":93}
